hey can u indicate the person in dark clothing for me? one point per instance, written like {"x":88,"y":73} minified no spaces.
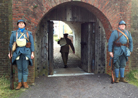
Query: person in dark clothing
{"x":65,"y":48}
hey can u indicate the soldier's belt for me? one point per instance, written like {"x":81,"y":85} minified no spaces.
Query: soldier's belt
{"x":120,"y":44}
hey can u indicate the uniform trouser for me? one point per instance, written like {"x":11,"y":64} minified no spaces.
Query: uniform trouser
{"x":22,"y":65}
{"x":120,"y":65}
{"x":121,"y":62}
{"x":65,"y":57}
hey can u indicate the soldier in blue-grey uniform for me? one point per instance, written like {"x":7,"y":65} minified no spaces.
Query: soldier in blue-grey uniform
{"x":23,"y":54}
{"x":119,"y":46}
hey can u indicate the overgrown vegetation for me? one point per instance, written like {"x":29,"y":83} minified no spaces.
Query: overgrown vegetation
{"x":5,"y":91}
{"x":132,"y":77}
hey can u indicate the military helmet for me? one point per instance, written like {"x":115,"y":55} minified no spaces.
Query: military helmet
{"x":65,"y":33}
{"x":122,"y":22}
{"x":21,"y":20}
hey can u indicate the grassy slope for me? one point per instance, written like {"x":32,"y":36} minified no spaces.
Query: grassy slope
{"x":5,"y":91}
{"x":132,"y":77}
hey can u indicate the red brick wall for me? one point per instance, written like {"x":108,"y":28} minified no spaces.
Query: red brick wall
{"x":5,"y":28}
{"x":109,"y":12}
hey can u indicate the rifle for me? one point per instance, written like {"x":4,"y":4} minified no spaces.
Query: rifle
{"x":11,"y":73}
{"x":112,"y":72}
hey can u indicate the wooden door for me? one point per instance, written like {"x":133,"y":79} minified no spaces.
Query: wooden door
{"x":88,"y":46}
{"x":50,"y":47}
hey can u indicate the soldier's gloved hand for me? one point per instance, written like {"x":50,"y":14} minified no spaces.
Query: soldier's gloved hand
{"x":111,"y":54}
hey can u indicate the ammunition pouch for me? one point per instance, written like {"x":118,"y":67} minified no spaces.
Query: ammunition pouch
{"x":28,"y":44}
{"x":128,"y":52}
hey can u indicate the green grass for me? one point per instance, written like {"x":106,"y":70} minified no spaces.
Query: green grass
{"x":55,"y":38}
{"x":5,"y":91}
{"x":132,"y":77}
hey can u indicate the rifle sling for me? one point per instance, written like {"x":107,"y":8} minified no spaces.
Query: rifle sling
{"x":120,"y":44}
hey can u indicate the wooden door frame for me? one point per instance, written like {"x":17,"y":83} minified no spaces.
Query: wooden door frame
{"x":50,"y":47}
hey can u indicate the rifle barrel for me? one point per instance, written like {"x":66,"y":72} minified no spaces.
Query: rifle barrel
{"x":11,"y":73}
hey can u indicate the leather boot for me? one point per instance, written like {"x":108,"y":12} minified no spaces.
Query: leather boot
{"x":116,"y":80}
{"x":123,"y":80}
{"x":25,"y":85}
{"x":19,"y":86}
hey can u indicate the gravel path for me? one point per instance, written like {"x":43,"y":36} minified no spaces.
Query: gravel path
{"x":87,"y":86}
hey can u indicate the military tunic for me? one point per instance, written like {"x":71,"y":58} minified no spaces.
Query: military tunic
{"x":120,"y":57}
{"x":23,"y":54}
{"x":65,"y":50}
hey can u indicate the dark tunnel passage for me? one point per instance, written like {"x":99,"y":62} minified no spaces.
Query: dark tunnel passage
{"x":88,"y":38}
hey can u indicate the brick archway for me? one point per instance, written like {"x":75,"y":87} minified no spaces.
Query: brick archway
{"x":108,"y":12}
{"x":75,"y":16}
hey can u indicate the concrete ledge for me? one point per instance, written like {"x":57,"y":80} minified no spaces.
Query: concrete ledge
{"x":69,"y":72}
{"x":77,"y":74}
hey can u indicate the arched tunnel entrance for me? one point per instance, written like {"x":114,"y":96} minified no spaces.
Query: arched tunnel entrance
{"x":89,"y":38}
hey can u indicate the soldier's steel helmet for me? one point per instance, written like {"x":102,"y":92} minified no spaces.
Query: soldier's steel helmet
{"x":21,"y":20}
{"x":122,"y":22}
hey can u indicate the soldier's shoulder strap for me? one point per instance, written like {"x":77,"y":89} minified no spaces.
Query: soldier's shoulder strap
{"x":118,"y":37}
{"x":27,"y":36}
{"x":123,"y":34}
